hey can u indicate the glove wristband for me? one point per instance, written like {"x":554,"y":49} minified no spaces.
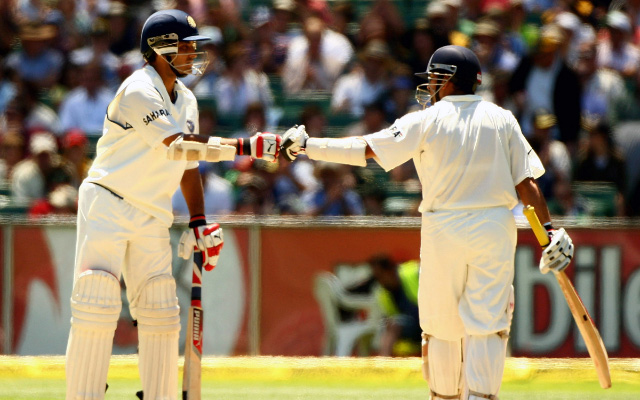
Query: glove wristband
{"x":244,"y":147}
{"x":197,"y":220}
{"x":548,"y":227}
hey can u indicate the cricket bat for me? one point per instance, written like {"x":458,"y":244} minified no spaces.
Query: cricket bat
{"x":588,"y":330}
{"x":191,"y":378}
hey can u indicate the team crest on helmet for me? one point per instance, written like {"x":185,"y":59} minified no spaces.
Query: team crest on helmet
{"x":191,"y":125}
{"x":191,"y":21}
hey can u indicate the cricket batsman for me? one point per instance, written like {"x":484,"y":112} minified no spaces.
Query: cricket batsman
{"x":150,"y":145}
{"x":473,"y":163}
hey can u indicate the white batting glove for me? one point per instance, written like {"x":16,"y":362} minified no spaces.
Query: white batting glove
{"x":206,"y":238}
{"x":558,"y":254}
{"x":265,"y":146}
{"x":294,"y":141}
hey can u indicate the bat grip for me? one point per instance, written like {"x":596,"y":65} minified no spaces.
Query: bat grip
{"x":536,"y":226}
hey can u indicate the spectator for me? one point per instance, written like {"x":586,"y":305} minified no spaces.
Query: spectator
{"x":11,"y":152}
{"x":122,"y":28}
{"x":284,"y":14}
{"x":98,"y":52}
{"x":316,"y":59}
{"x":34,"y":178}
{"x":599,"y":161}
{"x":373,"y":120}
{"x":553,"y":153}
{"x":365,"y":83}
{"x":8,"y":86}
{"x":38,"y":115}
{"x":617,"y":51}
{"x":601,"y":87}
{"x":37,"y":61}
{"x":74,"y":155}
{"x":488,"y":44}
{"x":423,"y":44}
{"x":401,"y":97}
{"x":333,"y":197}
{"x":544,"y":80}
{"x":85,"y":107}
{"x":396,"y":293}
{"x":382,"y":22}
{"x":239,"y":85}
{"x":63,"y":200}
{"x":262,"y":54}
{"x":218,"y":194}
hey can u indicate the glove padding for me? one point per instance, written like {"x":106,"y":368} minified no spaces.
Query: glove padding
{"x":206,"y":238}
{"x":294,"y":141}
{"x":558,"y":254}
{"x":265,"y":146}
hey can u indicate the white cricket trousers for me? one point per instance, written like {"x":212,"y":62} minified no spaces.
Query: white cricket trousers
{"x":466,"y":271}
{"x":114,"y":236}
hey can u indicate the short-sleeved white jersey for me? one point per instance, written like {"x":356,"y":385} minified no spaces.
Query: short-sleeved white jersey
{"x":468,"y":153}
{"x":131,"y":159}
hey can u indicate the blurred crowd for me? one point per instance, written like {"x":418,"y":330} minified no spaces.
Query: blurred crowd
{"x":569,"y":70}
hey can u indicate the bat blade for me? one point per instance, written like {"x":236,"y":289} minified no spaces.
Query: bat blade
{"x":192,"y":371}
{"x":587,"y":328}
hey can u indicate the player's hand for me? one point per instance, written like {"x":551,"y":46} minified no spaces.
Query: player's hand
{"x":206,"y":238}
{"x":294,"y":141}
{"x":265,"y":146}
{"x":558,"y":254}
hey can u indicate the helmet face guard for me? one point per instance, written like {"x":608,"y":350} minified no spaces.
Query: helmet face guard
{"x":168,"y":45}
{"x":164,"y":34}
{"x":437,"y":76}
{"x":449,"y":63}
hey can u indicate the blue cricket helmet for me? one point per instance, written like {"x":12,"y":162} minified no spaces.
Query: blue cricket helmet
{"x":168,"y":25}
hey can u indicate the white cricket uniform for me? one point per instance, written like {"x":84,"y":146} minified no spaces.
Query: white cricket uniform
{"x":124,"y":209}
{"x":470,"y":154}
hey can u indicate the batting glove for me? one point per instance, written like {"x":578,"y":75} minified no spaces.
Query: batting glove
{"x":558,"y":253}
{"x":265,"y":146}
{"x":294,"y":142}
{"x":202,"y":237}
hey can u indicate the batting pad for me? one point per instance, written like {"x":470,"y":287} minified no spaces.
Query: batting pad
{"x":158,"y":316}
{"x":445,"y":368}
{"x":484,"y":365}
{"x":95,"y":309}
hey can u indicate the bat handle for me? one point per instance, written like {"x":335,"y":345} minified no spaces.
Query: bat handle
{"x":536,"y":226}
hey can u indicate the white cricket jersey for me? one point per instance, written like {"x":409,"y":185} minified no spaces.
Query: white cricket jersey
{"x":469,"y":153}
{"x":131,"y":159}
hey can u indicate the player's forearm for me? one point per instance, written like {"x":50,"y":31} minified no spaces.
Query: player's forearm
{"x":530,"y":195}
{"x":191,"y":186}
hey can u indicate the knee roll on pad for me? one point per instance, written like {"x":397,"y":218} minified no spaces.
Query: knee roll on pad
{"x":95,"y":310}
{"x":445,"y":368}
{"x":158,"y":317}
{"x":158,"y":309}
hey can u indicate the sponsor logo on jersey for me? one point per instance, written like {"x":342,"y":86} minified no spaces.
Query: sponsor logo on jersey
{"x":191,"y":125}
{"x":153,"y":115}
{"x":396,"y":132}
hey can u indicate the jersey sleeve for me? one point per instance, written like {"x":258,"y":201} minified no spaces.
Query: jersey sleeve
{"x":142,"y":107}
{"x":398,"y":143}
{"x":525,"y":163}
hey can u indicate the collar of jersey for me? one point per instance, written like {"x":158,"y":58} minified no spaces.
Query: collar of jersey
{"x":158,"y":83}
{"x":462,"y":97}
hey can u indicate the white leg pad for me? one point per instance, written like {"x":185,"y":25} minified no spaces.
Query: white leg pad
{"x":158,"y":317}
{"x":445,"y":368}
{"x":95,"y":309}
{"x":484,"y":365}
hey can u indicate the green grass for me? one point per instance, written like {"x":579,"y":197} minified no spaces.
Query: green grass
{"x":245,"y":378}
